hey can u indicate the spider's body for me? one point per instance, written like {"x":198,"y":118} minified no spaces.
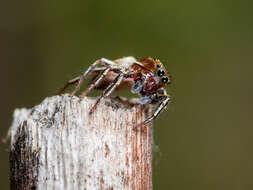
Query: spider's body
{"x":146,"y":77}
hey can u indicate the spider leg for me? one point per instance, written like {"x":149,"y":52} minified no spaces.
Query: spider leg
{"x":108,"y":90}
{"x":95,"y":82}
{"x":71,"y":82}
{"x":158,"y":110}
{"x":101,"y":61}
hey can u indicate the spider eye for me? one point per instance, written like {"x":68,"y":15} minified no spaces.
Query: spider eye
{"x":160,"y":72}
{"x":164,"y":79}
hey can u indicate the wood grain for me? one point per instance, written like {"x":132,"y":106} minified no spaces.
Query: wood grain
{"x":58,"y":145}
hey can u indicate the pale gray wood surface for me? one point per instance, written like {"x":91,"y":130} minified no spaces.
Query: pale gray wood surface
{"x":57,"y":145}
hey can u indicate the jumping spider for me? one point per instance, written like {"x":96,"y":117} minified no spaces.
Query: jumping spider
{"x":146,"y":77}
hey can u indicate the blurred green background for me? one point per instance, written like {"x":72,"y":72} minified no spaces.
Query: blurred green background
{"x":205,"y":137}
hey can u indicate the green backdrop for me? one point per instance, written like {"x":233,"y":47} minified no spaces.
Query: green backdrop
{"x":204,"y":139}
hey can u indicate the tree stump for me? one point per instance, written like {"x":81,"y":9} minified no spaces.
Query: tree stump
{"x":58,"y":145}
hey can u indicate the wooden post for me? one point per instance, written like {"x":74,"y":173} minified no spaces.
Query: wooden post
{"x":57,"y":145}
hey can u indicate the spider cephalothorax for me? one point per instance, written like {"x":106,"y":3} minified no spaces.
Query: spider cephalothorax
{"x":146,"y":77}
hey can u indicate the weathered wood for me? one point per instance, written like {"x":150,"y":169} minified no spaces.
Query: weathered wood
{"x":57,"y":145}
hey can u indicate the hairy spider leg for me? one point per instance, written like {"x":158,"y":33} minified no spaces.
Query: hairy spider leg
{"x":166,"y":99}
{"x":75,"y":80}
{"x":101,"y":61}
{"x":108,"y":90}
{"x":103,"y":74}
{"x":158,"y":110}
{"x":70,"y":82}
{"x":95,"y":82}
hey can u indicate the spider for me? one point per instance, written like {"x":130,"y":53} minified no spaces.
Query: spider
{"x":146,"y":77}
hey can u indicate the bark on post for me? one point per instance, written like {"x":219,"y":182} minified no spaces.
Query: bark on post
{"x":57,"y":145}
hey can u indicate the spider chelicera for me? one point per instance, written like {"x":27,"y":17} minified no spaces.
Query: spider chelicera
{"x":146,"y":77}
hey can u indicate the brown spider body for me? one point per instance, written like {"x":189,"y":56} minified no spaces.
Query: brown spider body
{"x":145,"y":73}
{"x":146,"y":77}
